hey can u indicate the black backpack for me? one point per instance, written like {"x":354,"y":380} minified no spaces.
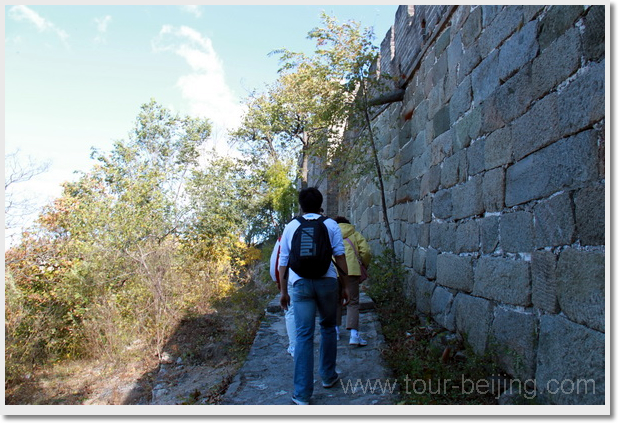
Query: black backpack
{"x":311,"y":252}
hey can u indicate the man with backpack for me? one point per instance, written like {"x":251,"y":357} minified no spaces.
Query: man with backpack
{"x":308,"y":244}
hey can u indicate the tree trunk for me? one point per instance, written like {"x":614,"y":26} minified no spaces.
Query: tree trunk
{"x":304,"y":163}
{"x":376,"y":161}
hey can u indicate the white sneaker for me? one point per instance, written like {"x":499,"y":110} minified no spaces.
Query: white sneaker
{"x":299,"y":401}
{"x":357,"y":340}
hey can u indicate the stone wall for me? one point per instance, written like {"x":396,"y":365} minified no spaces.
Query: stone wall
{"x":497,"y":199}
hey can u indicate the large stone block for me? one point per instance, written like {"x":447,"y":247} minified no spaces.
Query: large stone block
{"x":490,"y":13}
{"x":558,"y":62}
{"x":476,"y":157}
{"x":442,"y":121}
{"x":461,"y":99}
{"x":514,"y":342}
{"x":470,"y":60}
{"x":459,"y":18}
{"x":570,"y":363}
{"x":506,"y":22}
{"x":472,"y":27}
{"x":498,"y":148}
{"x":581,"y":287}
{"x":423,"y":235}
{"x":419,"y":145}
{"x":405,"y":134}
{"x":582,"y":103}
{"x":407,"y":258}
{"x":427,"y":202}
{"x":443,"y":235}
{"x":468,"y":237}
{"x":568,"y":163}
{"x":414,"y":188}
{"x":450,"y":171}
{"x":431,"y":263}
{"x":518,"y":50}
{"x":485,"y":77}
{"x":473,"y":318}
{"x":493,"y":190}
{"x":405,"y":155}
{"x":490,"y":234}
{"x":430,"y":181}
{"x":419,"y":119}
{"x":442,"y":206}
{"x":412,"y":234}
{"x":439,"y":70}
{"x":590,"y":215}
{"x":455,"y":55}
{"x":468,"y":198}
{"x":436,"y":99}
{"x":531,"y":11}
{"x":492,"y":114}
{"x":554,"y":223}
{"x":594,"y":33}
{"x":455,"y":272}
{"x":419,"y":261}
{"x":423,"y":291}
{"x":399,"y":247}
{"x":544,"y":284}
{"x":512,"y":99}
{"x":556,"y":22}
{"x":467,"y":129}
{"x":516,"y":232}
{"x":441,"y":147}
{"x":415,"y":212}
{"x":443,"y":41}
{"x":442,"y":308}
{"x":504,"y":280}
{"x":537,"y":128}
{"x":420,"y":165}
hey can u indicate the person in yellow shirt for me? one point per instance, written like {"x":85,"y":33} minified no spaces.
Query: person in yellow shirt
{"x":357,"y":254}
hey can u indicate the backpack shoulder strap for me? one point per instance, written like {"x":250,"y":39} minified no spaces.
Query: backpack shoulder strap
{"x":354,"y":248}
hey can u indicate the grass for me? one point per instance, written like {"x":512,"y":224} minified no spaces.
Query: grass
{"x":427,"y":372}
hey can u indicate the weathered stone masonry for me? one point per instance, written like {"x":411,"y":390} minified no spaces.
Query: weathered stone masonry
{"x":497,"y":200}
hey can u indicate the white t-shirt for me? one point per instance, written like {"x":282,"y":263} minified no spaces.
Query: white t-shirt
{"x":336,"y":240}
{"x":274,"y":262}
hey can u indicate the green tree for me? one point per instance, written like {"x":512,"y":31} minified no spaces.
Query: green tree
{"x":324,"y":100}
{"x":103,"y":254}
{"x":288,"y":122}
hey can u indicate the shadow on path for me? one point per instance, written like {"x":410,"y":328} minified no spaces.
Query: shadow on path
{"x":266,"y":378}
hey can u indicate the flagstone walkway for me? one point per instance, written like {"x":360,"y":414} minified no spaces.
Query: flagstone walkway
{"x":266,"y":378}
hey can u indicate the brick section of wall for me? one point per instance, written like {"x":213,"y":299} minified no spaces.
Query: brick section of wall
{"x":497,"y":200}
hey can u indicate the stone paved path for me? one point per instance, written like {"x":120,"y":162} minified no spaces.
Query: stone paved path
{"x":267,"y":376}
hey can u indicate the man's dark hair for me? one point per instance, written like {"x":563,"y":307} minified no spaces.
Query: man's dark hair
{"x":341,"y":219}
{"x":310,"y":200}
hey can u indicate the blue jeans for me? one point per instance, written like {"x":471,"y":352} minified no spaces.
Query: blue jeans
{"x":309,"y":295}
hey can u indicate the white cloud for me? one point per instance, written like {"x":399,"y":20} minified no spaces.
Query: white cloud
{"x":192,"y":9}
{"x":102,"y":24}
{"x":24,"y":13}
{"x":205,"y":87}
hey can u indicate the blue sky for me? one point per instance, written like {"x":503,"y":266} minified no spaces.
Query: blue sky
{"x":75,"y":76}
